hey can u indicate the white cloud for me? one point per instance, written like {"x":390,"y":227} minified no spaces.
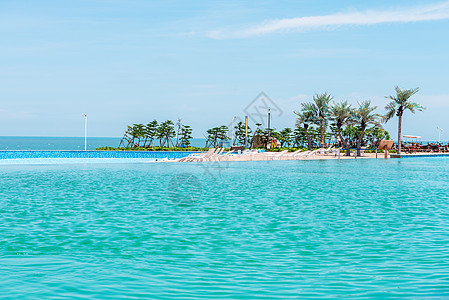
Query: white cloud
{"x":433,"y":12}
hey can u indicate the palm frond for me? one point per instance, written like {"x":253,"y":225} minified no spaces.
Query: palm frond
{"x":364,"y":115}
{"x":391,"y":108}
{"x":412,"y":106}
{"x":400,"y":102}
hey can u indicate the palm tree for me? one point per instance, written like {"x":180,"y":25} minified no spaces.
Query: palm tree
{"x":305,"y":118}
{"x":364,"y":116}
{"x":319,"y":109}
{"x":400,"y":103}
{"x":340,"y":113}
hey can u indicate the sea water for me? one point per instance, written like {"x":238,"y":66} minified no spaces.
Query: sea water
{"x":66,"y":143}
{"x":239,"y":230}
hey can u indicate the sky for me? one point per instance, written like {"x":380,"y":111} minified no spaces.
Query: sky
{"x":205,"y":62}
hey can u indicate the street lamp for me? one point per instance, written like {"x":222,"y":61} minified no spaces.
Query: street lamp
{"x":85,"y":131}
{"x":439,"y":134}
{"x":232,"y":131}
{"x":246,"y":132}
{"x":269,"y":119}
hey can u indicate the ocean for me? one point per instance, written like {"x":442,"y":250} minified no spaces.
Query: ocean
{"x":65,"y":143}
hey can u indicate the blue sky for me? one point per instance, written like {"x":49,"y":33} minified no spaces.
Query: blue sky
{"x":130,"y":61}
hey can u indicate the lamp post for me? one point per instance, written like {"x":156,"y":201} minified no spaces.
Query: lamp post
{"x":232,"y":132}
{"x":439,"y":134}
{"x":269,"y":117}
{"x":246,"y":132}
{"x":85,"y":131}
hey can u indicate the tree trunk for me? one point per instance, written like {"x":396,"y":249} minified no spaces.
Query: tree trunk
{"x":345,"y":142}
{"x":399,"y":132}
{"x":359,"y":141}
{"x":309,"y":141}
{"x":322,"y":136}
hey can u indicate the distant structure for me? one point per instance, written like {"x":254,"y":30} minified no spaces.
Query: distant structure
{"x":258,"y":142}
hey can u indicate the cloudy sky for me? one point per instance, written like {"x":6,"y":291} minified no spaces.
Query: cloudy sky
{"x":130,"y":61}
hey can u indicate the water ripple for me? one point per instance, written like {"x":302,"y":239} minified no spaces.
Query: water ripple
{"x":245,"y":230}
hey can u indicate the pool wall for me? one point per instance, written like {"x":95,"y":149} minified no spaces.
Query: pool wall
{"x":394,"y":155}
{"x":12,"y":154}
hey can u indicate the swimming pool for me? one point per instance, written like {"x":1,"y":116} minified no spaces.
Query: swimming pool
{"x":74,"y":156}
{"x":243,"y":230}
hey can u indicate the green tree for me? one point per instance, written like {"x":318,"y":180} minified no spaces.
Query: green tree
{"x":185,"y":136}
{"x":315,"y":135}
{"x":374,"y":134}
{"x":398,"y":105}
{"x":216,"y":135}
{"x":271,"y":134}
{"x":240,"y":133}
{"x":166,"y":131}
{"x":319,"y":110}
{"x":364,"y":116}
{"x":137,"y":132}
{"x":340,"y":114}
{"x":351,"y":134}
{"x":150,"y":132}
{"x":286,"y":137}
{"x":305,"y":118}
{"x":299,"y":137}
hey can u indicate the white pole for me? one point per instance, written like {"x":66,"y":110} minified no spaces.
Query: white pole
{"x":269,"y":117}
{"x":439,"y":134}
{"x":232,"y":132}
{"x":85,"y":131}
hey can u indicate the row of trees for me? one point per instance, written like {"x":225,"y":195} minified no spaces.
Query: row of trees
{"x":147,"y":135}
{"x":299,"y":137}
{"x":321,"y":112}
{"x":350,"y":126}
{"x":319,"y":122}
{"x":360,"y":120}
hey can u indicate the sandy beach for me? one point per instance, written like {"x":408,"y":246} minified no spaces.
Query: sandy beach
{"x":267,"y":156}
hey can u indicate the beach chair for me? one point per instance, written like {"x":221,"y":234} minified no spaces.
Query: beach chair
{"x":326,"y":151}
{"x":289,"y":156}
{"x":189,"y":157}
{"x":336,"y":151}
{"x":214,"y":155}
{"x":210,"y":154}
{"x":362,"y":151}
{"x":197,"y":156}
{"x":311,"y":153}
{"x":279,"y":155}
{"x":301,"y":154}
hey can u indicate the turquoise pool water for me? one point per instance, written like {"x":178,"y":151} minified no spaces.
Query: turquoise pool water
{"x":244,"y":230}
{"x":64,"y":157}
